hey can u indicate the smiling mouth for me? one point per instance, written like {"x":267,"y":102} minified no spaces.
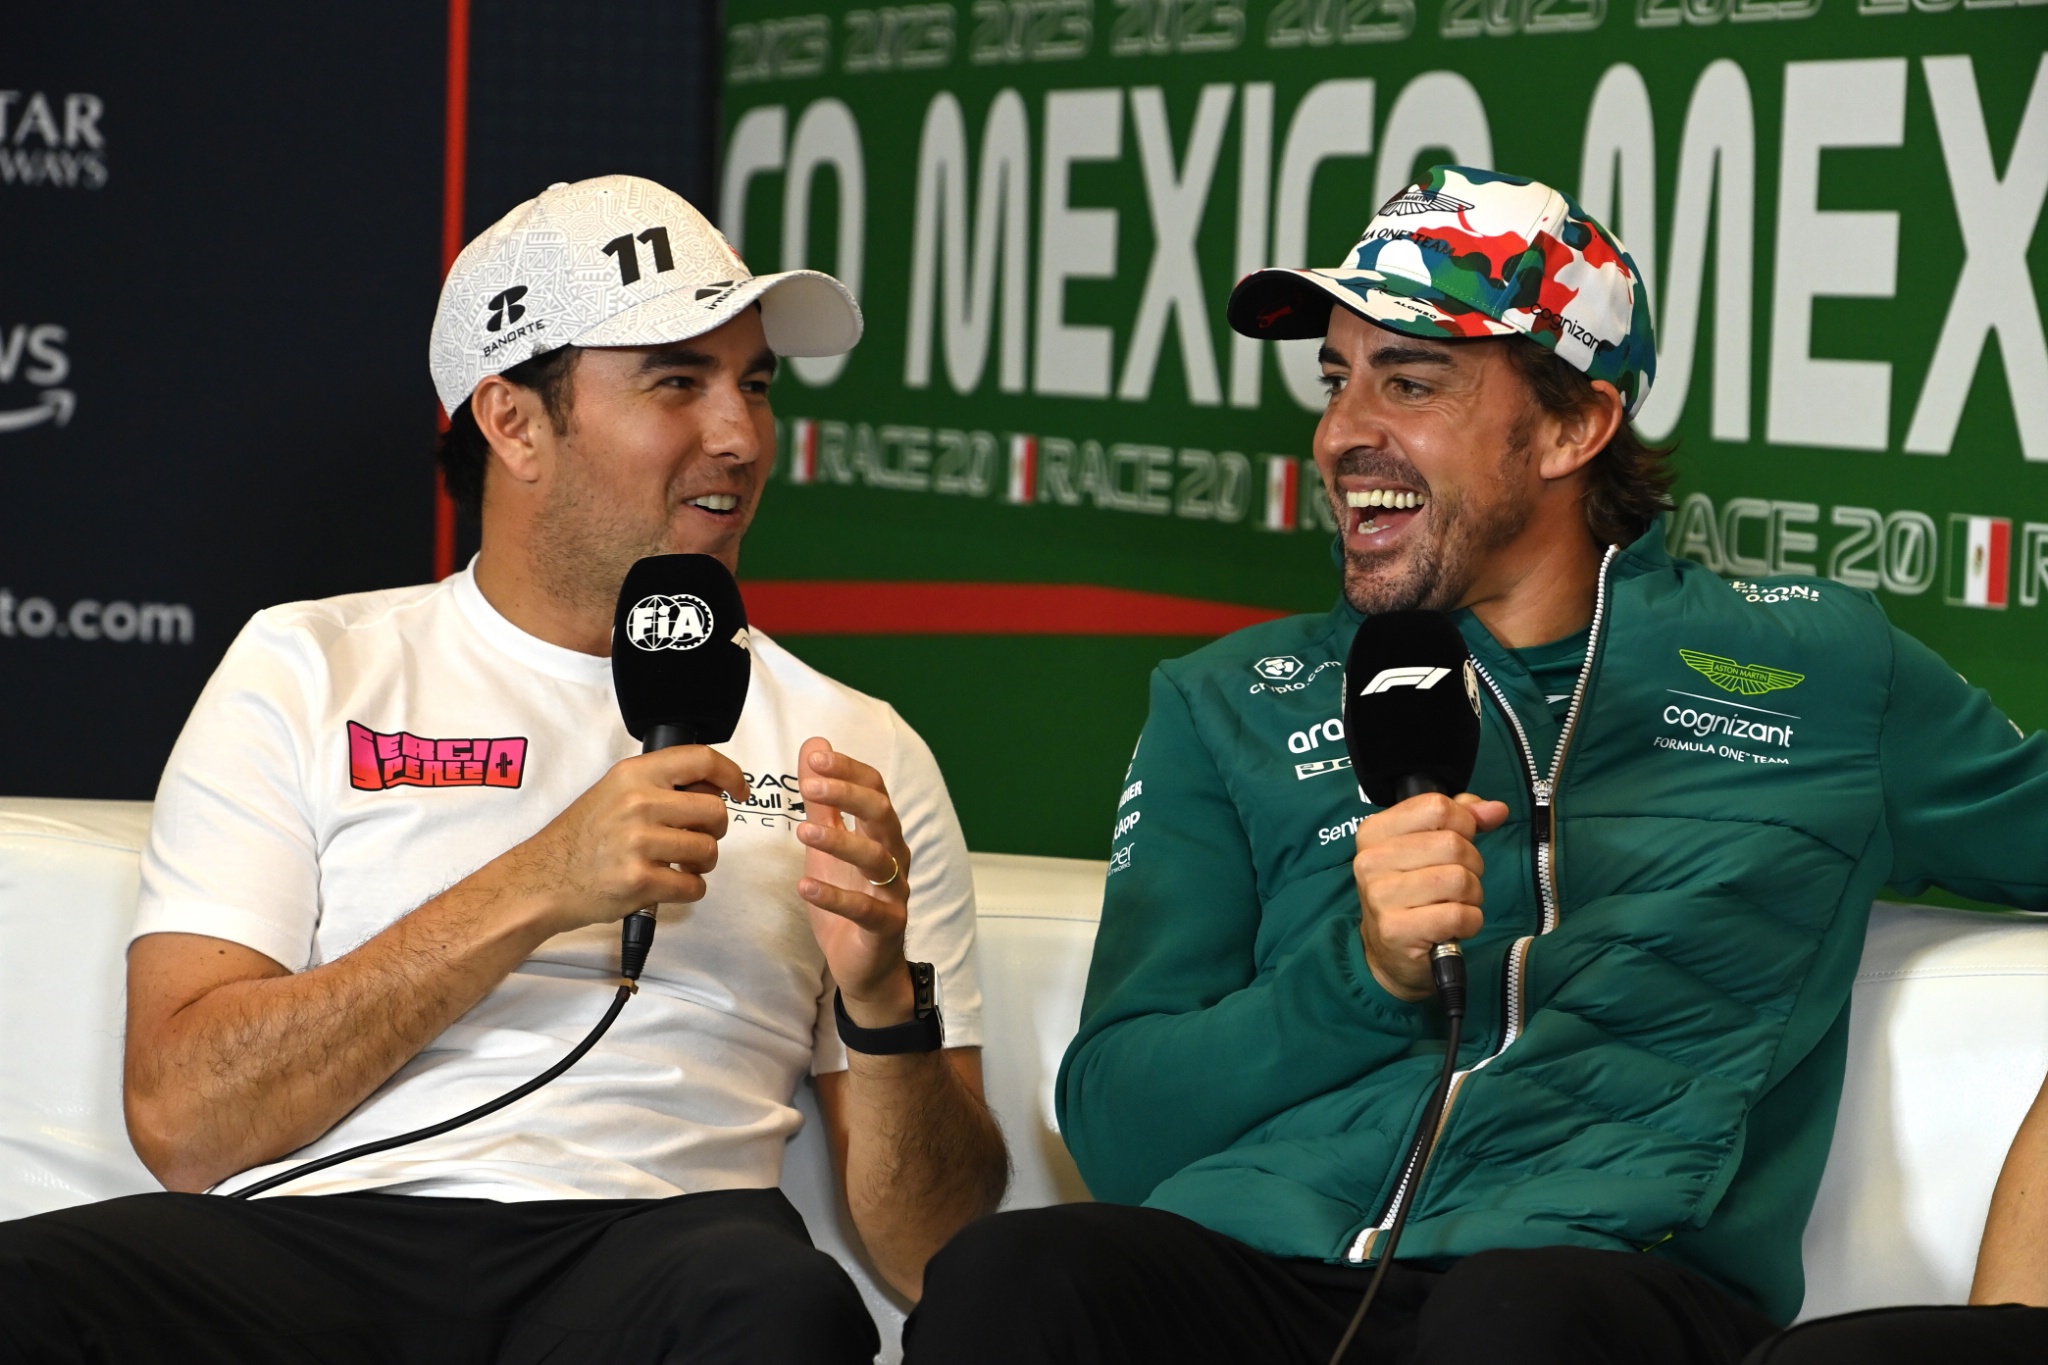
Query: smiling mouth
{"x":718,"y":504}
{"x":1379,"y":511}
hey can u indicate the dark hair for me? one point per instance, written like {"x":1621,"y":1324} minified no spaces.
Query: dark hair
{"x":1629,"y":482}
{"x":464,"y":454}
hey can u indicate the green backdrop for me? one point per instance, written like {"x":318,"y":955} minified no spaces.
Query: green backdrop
{"x":1042,"y":205}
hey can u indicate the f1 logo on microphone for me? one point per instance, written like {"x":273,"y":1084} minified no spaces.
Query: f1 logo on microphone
{"x":1421,"y":679}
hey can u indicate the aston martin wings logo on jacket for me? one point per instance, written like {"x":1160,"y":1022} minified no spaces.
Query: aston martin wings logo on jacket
{"x":1751,"y":680}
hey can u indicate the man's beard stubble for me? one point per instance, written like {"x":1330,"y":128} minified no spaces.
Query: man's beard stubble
{"x":583,"y":547}
{"x":1437,"y":573}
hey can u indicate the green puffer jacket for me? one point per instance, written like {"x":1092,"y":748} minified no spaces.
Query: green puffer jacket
{"x":1674,"y":915}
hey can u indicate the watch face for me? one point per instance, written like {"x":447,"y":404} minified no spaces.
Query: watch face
{"x":924,"y":981}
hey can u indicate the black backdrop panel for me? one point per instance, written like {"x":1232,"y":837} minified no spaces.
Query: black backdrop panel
{"x":220,"y":243}
{"x":603,"y":87}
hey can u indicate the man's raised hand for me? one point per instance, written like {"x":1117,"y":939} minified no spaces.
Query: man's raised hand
{"x":646,"y":833}
{"x":857,"y":882}
{"x":1418,"y":874}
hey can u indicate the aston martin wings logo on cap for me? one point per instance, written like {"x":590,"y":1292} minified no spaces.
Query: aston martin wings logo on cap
{"x":1421,"y":199}
{"x":1751,"y":680}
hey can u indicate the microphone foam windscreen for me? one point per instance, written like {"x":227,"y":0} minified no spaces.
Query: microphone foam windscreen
{"x":1411,"y":706}
{"x":680,"y":652}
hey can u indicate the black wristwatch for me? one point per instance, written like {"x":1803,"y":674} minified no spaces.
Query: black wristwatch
{"x":926,"y":1031}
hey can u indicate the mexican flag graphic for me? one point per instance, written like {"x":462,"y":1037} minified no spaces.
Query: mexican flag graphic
{"x":803,"y":450}
{"x":1283,"y":492}
{"x":1979,"y":560}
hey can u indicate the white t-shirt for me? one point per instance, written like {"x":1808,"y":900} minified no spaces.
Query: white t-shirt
{"x":354,"y":757}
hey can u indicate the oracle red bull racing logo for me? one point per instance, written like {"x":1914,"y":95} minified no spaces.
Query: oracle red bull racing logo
{"x":379,"y":762}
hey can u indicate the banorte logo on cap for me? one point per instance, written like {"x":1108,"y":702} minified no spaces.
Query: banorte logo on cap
{"x":662,"y":621}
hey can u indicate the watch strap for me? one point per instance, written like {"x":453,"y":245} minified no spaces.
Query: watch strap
{"x":925,"y":1031}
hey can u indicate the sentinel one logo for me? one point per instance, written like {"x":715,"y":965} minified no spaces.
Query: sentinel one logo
{"x":1420,"y":678}
{"x":505,"y":307}
{"x":662,"y":622}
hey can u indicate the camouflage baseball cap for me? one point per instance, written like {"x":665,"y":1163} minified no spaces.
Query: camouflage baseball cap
{"x":1470,"y":253}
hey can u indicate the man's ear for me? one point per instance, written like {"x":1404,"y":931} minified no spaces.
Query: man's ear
{"x":512,"y":420}
{"x":1584,"y":433}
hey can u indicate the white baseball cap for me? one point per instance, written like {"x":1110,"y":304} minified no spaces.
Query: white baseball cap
{"x":615,"y":261}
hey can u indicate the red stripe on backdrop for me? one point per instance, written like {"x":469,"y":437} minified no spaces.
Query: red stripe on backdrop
{"x":2000,"y":568}
{"x":454,"y":175}
{"x":786,"y":607}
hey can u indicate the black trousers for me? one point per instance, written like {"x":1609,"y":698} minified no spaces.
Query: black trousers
{"x":2006,"y":1334}
{"x":1085,"y":1283}
{"x":724,"y":1276}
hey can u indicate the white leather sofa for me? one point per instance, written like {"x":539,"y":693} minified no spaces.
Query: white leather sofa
{"x":1949,"y":1041}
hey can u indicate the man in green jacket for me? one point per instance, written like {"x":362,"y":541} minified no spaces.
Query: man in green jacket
{"x":1687,"y":794}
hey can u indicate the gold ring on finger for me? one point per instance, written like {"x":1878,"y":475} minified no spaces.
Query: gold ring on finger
{"x":895,"y":871}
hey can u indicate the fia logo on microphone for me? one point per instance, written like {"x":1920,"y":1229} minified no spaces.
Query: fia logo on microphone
{"x":659,"y":621}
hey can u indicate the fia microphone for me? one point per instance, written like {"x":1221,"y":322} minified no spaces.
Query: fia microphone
{"x":681,"y":662}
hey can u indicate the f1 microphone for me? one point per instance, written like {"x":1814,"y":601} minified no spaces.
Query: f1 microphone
{"x":1411,"y":707}
{"x":1411,"y":724}
{"x":681,"y":662}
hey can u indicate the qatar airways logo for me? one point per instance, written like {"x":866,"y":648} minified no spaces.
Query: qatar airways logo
{"x":52,"y":141}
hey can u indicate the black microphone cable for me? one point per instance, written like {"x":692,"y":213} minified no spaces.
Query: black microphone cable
{"x":636,"y":936}
{"x":626,"y":991}
{"x":1447,"y":966}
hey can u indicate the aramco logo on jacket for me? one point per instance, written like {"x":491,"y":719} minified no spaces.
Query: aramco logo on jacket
{"x":1751,"y":680}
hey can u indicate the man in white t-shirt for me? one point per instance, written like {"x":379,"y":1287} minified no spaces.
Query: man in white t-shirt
{"x":391,"y":851}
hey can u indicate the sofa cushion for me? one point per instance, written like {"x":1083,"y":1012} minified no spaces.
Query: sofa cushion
{"x":1948,"y":1043}
{"x":67,"y":897}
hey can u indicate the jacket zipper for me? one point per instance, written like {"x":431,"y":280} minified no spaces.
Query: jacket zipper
{"x":1543,"y":829}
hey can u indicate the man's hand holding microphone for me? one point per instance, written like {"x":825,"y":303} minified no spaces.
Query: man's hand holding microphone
{"x":1418,"y":872}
